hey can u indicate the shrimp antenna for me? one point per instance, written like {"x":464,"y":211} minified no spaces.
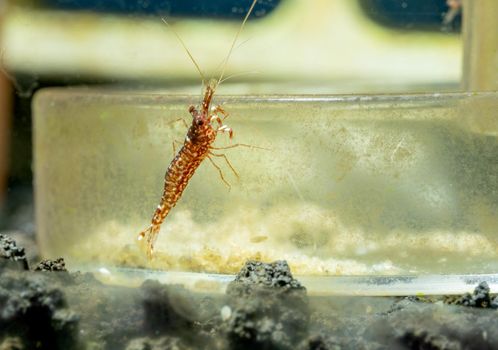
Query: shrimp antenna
{"x":185,"y":47}
{"x":235,"y":40}
{"x":218,"y":67}
{"x":238,"y":75}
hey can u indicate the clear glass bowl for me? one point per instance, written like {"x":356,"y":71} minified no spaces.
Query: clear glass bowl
{"x":345,"y":185}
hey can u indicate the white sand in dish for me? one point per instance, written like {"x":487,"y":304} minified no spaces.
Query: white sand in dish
{"x":310,"y":238}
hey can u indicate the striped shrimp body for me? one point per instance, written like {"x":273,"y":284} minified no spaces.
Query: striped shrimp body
{"x":197,"y":146}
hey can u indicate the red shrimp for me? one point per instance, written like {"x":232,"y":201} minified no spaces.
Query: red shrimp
{"x":198,"y":145}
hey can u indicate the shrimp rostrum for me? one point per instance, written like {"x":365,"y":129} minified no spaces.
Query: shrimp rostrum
{"x":207,"y":123}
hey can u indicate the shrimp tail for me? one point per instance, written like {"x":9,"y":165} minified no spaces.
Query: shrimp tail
{"x":147,"y":238}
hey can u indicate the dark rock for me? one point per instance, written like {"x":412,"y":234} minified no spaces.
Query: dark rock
{"x":423,"y":339}
{"x":268,"y":308}
{"x":211,"y":313}
{"x":51,"y":265}
{"x":494,"y":303}
{"x":479,"y":298}
{"x":110,"y":315}
{"x":36,"y":313}
{"x":440,"y":326}
{"x":258,"y":274}
{"x":27,"y":241}
{"x":11,"y":255}
{"x":167,"y":309}
{"x":172,"y":317}
{"x":319,"y":342}
{"x":161,"y":343}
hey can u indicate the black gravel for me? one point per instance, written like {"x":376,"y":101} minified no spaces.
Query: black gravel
{"x":36,"y":313}
{"x":12,"y":256}
{"x":51,"y":265}
{"x":481,"y":298}
{"x":269,"y":308}
{"x":265,"y":307}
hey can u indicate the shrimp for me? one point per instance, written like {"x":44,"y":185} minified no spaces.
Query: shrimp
{"x":197,"y":146}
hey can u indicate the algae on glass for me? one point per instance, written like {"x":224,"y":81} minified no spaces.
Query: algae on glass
{"x":345,"y":185}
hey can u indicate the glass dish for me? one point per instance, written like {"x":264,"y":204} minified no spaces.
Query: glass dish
{"x":387,"y":185}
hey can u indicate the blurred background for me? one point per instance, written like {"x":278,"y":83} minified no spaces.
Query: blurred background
{"x":288,"y":46}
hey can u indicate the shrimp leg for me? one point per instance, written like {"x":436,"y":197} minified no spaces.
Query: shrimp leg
{"x":220,"y":172}
{"x":237,"y":145}
{"x":173,"y":144}
{"x":227,"y":161}
{"x":218,"y":109}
